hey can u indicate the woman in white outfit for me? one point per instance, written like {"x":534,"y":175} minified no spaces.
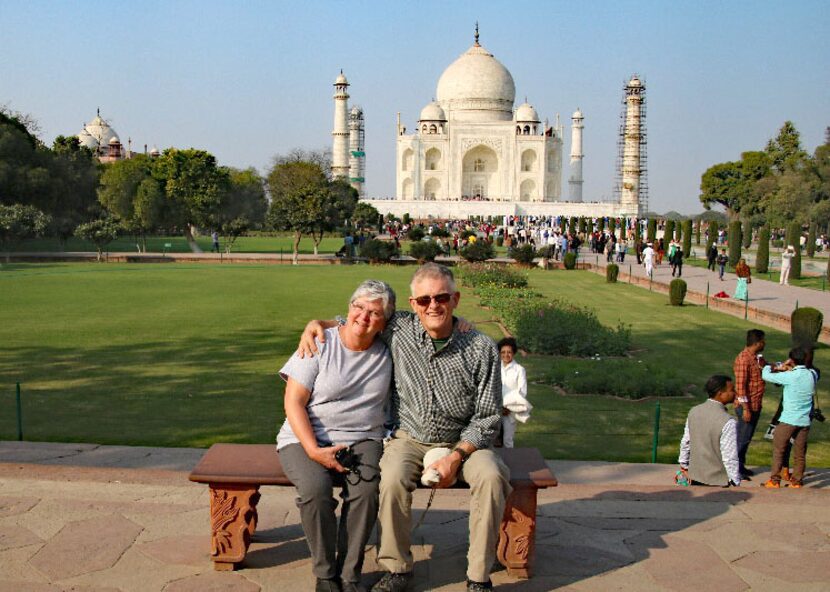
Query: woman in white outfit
{"x":515,"y":406}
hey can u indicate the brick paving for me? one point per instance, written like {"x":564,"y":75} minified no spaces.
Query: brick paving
{"x":67,"y":524}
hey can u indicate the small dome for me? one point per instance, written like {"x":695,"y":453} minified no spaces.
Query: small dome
{"x":432,"y":112}
{"x":577,"y":114}
{"x":341,"y":79}
{"x":635,"y":81}
{"x":526,"y":112}
{"x":154,"y":151}
{"x":114,"y":140}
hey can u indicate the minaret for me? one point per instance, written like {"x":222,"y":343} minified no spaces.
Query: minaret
{"x":357,"y":153}
{"x":340,"y":135}
{"x":575,"y":180}
{"x":632,"y":138}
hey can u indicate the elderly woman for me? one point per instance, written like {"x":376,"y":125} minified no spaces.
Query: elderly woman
{"x":336,"y":402}
{"x":744,"y":277}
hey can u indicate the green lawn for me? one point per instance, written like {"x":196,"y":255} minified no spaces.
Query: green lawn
{"x":187,"y":355}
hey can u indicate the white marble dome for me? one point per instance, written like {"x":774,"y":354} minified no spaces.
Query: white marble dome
{"x":527,"y":113}
{"x":433,"y":112}
{"x":96,"y":134}
{"x":341,"y":79}
{"x":477,"y":81}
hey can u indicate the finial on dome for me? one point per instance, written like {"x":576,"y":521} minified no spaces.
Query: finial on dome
{"x":476,"y":36}
{"x":98,"y":112}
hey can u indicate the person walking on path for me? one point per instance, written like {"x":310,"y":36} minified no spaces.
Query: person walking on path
{"x":676,"y":261}
{"x":786,"y":262}
{"x":711,"y":256}
{"x":799,"y":384}
{"x":744,"y":278}
{"x":750,"y":388}
{"x":708,"y":451}
{"x":723,"y":259}
{"x":214,"y":237}
{"x":648,"y":260}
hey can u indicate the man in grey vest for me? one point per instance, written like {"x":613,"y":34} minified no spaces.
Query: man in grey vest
{"x":709,"y":448}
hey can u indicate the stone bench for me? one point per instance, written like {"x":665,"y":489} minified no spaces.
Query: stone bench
{"x":235,"y":472}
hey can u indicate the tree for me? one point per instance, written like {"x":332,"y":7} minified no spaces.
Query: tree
{"x":698,"y":225}
{"x":811,"y":240}
{"x":612,"y":225}
{"x":746,"y":234}
{"x":243,"y":206}
{"x":713,"y":233}
{"x":734,"y":242}
{"x":651,"y":232}
{"x":687,"y":237}
{"x":19,"y":222}
{"x":364,"y":215}
{"x":794,"y":239}
{"x":321,"y":158}
{"x":100,"y":232}
{"x":194,"y":186}
{"x":342,"y":200}
{"x":762,"y":257}
{"x":785,"y":152}
{"x":118,"y":194}
{"x":732,"y":184}
{"x":299,"y":196}
{"x":668,"y":232}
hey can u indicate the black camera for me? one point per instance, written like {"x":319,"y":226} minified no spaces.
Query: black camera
{"x":817,"y":415}
{"x":347,"y":458}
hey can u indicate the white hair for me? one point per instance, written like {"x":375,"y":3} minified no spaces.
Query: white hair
{"x":376,"y":290}
{"x":433,"y":271}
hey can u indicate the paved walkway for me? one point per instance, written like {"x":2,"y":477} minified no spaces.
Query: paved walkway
{"x":770,"y":303}
{"x":93,"y":519}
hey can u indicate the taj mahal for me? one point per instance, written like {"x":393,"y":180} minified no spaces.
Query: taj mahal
{"x":473,"y":153}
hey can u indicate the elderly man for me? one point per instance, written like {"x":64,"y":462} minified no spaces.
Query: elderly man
{"x":447,"y":394}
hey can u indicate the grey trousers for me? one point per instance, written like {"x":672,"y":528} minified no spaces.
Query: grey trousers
{"x":401,"y":467}
{"x":337,"y":549}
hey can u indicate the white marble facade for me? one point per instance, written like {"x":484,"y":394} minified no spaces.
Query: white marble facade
{"x":471,"y":145}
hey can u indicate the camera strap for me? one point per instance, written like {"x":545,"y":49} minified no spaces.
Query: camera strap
{"x":424,"y":513}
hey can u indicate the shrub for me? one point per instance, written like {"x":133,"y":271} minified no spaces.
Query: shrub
{"x":746,"y":234}
{"x":101,"y":232}
{"x":677,"y":292}
{"x":778,"y":243}
{"x":481,"y":250}
{"x":425,"y":250}
{"x":651,"y":230}
{"x":611,"y":273}
{"x":793,"y":238}
{"x":668,"y":232}
{"x":612,"y":225}
{"x":615,"y":377}
{"x":405,"y":219}
{"x":546,"y":252}
{"x":762,"y":257}
{"x":565,"y":329}
{"x":713,"y":233}
{"x":500,"y":241}
{"x":583,"y":225}
{"x":601,"y":225}
{"x":523,"y":254}
{"x":687,"y":238}
{"x":734,"y":242}
{"x":416,"y":233}
{"x":811,"y":240}
{"x":378,"y":251}
{"x":805,"y":326}
{"x":475,"y":275}
{"x":467,"y":234}
{"x":570,"y":260}
{"x":698,"y":226}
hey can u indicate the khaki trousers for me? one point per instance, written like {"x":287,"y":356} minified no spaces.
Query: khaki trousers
{"x":400,"y":471}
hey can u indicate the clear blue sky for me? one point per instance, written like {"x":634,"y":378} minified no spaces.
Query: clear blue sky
{"x":248,"y":80}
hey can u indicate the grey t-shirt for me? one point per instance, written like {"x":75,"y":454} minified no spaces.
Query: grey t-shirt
{"x":349,"y":391}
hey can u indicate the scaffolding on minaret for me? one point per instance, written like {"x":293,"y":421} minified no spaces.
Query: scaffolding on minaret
{"x":633,"y":164}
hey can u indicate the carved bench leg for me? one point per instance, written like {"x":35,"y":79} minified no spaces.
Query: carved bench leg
{"x":233,"y":519}
{"x":517,"y":536}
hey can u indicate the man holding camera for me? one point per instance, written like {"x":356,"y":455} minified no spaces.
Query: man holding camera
{"x":799,"y":384}
{"x":447,"y":394}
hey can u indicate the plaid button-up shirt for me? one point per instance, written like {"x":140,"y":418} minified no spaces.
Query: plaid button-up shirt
{"x":446,"y":396}
{"x":748,"y":381}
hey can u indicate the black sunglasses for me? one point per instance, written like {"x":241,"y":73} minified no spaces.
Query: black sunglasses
{"x":439,"y":299}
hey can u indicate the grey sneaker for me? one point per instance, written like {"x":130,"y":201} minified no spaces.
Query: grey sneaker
{"x":393,"y":582}
{"x":479,"y":586}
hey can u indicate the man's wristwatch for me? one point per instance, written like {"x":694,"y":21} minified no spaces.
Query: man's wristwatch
{"x":462,"y":453}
